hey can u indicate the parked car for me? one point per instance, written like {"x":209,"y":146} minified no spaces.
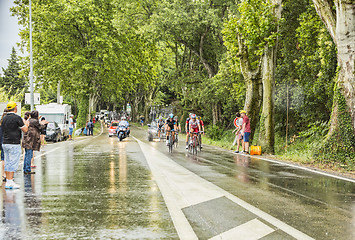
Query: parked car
{"x":112,"y":128}
{"x":54,"y":132}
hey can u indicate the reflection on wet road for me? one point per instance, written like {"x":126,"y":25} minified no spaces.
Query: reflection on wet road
{"x":100,"y":188}
{"x":320,"y":206}
{"x":96,"y":189}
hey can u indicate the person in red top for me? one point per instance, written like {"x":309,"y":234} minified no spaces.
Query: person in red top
{"x":245,"y":131}
{"x":94,"y":120}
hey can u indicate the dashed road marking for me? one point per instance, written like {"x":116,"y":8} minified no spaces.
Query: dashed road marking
{"x":252,"y":230}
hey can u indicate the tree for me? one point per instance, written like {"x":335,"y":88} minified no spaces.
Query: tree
{"x":80,"y":45}
{"x":339,"y":18}
{"x":253,"y":35}
{"x":12,"y":80}
{"x":196,"y":27}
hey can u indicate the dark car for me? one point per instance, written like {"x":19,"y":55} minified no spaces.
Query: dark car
{"x":53,"y":132}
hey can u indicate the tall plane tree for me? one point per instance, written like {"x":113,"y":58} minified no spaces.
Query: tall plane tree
{"x":252,"y":33}
{"x":339,"y":18}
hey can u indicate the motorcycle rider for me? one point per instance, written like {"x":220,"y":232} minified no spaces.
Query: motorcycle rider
{"x":123,"y":123}
{"x":161,"y":124}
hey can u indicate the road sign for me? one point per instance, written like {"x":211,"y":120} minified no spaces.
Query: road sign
{"x":36,"y":100}
{"x":235,"y":122}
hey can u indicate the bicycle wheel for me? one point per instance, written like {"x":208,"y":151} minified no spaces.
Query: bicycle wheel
{"x":199,"y":142}
{"x":194,"y":146}
{"x":171,"y":144}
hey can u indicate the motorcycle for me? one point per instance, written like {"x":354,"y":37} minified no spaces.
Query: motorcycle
{"x":122,"y":132}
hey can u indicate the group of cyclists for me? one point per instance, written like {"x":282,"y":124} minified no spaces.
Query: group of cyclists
{"x":193,"y":125}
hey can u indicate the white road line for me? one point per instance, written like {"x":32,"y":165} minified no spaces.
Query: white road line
{"x":181,"y":187}
{"x":304,"y":168}
{"x":252,"y":230}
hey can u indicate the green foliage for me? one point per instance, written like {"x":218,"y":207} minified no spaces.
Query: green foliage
{"x":339,"y":145}
{"x":13,"y":81}
{"x":315,"y":130}
{"x":306,"y":68}
{"x":85,"y":47}
{"x":257,"y":24}
{"x":215,"y":132}
{"x":83,"y":112}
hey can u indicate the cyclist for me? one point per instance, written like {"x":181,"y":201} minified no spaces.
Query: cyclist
{"x":161,"y":124}
{"x":170,"y":125}
{"x":202,"y":127}
{"x":187,"y":128}
{"x":194,"y":125}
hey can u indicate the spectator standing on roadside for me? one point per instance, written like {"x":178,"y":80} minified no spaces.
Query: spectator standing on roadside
{"x":12,"y":125}
{"x":86,"y":128}
{"x":238,"y":131}
{"x":94,"y":120}
{"x":91,"y":128}
{"x":71,"y":127}
{"x":31,"y":141}
{"x":26,"y":119}
{"x":2,"y":151}
{"x":43,"y":132}
{"x":245,"y":131}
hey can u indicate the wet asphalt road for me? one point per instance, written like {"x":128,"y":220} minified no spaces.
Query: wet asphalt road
{"x":100,"y":188}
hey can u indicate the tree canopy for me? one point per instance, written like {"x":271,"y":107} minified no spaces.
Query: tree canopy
{"x":285,"y":62}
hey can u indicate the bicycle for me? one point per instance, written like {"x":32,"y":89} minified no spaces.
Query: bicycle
{"x":193,"y":143}
{"x":170,"y":141}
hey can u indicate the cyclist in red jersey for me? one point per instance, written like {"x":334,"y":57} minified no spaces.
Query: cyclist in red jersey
{"x":187,"y":128}
{"x":194,"y":124}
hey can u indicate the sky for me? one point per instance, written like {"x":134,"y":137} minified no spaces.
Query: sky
{"x":9,"y":30}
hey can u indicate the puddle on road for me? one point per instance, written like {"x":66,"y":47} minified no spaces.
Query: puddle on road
{"x":96,"y":191}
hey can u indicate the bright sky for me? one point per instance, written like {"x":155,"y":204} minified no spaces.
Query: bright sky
{"x":9,"y":30}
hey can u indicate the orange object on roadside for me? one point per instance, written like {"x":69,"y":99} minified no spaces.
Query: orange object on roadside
{"x":255,"y":150}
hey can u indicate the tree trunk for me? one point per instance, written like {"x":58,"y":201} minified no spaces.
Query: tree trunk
{"x":92,"y":103}
{"x":341,"y":26}
{"x":340,"y":21}
{"x":253,"y":85}
{"x":267,"y":121}
{"x":345,"y":34}
{"x":252,"y":103}
{"x":214,"y":114}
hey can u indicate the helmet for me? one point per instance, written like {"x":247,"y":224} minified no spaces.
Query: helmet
{"x":175,"y":118}
{"x":123,"y":118}
{"x":171,"y":115}
{"x":198,"y":117}
{"x":193,"y":116}
{"x":160,"y":118}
